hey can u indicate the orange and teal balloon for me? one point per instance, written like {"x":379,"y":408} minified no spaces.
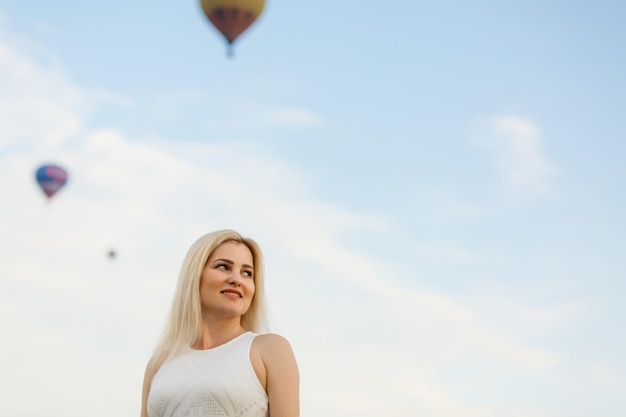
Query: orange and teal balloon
{"x":51,"y":178}
{"x":232,"y":17}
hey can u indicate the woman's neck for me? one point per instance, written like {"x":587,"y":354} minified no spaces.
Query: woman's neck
{"x":216,"y":334}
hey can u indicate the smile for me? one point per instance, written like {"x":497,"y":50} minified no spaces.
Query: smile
{"x":232,"y":293}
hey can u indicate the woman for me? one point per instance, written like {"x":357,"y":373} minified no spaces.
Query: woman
{"x":212,"y":359}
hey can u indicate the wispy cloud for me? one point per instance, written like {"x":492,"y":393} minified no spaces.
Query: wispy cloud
{"x":446,"y":208}
{"x":293,"y":118}
{"x":170,"y":106}
{"x":515,"y":146}
{"x":37,"y":105}
{"x":103,"y":96}
{"x":445,"y":253}
{"x":237,"y":115}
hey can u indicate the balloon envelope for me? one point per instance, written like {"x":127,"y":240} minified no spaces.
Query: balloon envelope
{"x":232,"y":17}
{"x":51,"y":178}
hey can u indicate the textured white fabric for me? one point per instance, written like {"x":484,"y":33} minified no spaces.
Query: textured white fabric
{"x":209,"y":383}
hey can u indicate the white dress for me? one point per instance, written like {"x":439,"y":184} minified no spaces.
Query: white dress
{"x":209,"y":383}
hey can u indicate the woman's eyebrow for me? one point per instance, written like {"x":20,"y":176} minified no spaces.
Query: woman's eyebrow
{"x":228,"y":261}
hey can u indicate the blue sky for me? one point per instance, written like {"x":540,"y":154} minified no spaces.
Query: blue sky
{"x":436,"y":186}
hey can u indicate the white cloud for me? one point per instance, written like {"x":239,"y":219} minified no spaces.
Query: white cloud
{"x":38,"y":105}
{"x":445,"y":208}
{"x":103,"y":96}
{"x":242,"y":115}
{"x":516,"y":147}
{"x":608,"y":376}
{"x":447,"y":252}
{"x":293,"y":118}
{"x":170,"y":106}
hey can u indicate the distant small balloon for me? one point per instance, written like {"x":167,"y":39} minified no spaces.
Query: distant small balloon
{"x":111,"y":254}
{"x":51,"y":178}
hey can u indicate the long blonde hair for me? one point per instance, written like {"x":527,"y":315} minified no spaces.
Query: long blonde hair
{"x":184,"y":325}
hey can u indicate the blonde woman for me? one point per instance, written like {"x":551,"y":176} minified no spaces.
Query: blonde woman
{"x":214,"y":358}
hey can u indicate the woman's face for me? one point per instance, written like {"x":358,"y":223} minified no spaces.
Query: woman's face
{"x":227,"y":281}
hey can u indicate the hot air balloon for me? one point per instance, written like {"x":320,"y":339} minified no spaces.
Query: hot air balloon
{"x":232,"y":17}
{"x":51,"y":178}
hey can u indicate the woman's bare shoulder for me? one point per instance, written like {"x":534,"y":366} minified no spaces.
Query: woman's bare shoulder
{"x":271,"y":338}
{"x":269,"y":343}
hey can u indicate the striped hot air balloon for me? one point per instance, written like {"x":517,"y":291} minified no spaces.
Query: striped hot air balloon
{"x":232,"y":17}
{"x":51,"y":178}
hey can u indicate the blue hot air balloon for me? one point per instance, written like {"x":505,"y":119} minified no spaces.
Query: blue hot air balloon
{"x":51,"y":178}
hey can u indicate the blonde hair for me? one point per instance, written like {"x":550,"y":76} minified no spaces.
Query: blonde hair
{"x":184,"y":325}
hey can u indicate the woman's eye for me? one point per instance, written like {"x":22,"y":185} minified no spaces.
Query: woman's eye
{"x":248,"y":274}
{"x":222,"y":266}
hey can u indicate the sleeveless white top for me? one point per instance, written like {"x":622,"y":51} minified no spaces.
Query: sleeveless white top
{"x":209,"y":383}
